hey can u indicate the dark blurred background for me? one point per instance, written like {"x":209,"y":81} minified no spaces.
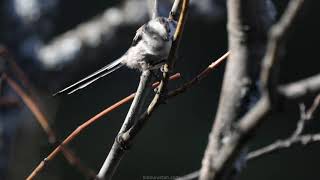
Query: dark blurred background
{"x":174,"y":140}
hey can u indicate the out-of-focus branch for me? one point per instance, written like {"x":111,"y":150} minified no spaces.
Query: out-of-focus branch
{"x":218,"y":160}
{"x":174,"y":13}
{"x":87,"y":43}
{"x":296,"y":91}
{"x":155,"y":9}
{"x":70,"y":156}
{"x":279,"y":145}
{"x":30,"y":103}
{"x":9,"y":102}
{"x":248,"y":23}
{"x":28,"y":98}
{"x":92,"y":38}
{"x":294,"y":140}
{"x":297,"y":137}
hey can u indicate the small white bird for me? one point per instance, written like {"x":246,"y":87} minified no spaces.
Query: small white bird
{"x":149,"y":50}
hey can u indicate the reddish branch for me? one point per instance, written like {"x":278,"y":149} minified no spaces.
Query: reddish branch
{"x":70,"y":156}
{"x":82,"y":127}
{"x":29,"y":100}
{"x":125,"y":100}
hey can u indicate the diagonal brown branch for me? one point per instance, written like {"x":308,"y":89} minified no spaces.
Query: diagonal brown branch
{"x":199,"y":77}
{"x":33,"y":107}
{"x":85,"y":125}
{"x":70,"y":156}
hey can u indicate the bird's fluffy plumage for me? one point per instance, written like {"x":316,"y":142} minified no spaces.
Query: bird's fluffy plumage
{"x":149,"y":50}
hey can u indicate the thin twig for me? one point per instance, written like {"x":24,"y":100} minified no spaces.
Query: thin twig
{"x":174,"y":10}
{"x":302,"y":140}
{"x":277,"y":36}
{"x":277,"y":146}
{"x":314,"y":109}
{"x":296,"y":137}
{"x":199,"y":77}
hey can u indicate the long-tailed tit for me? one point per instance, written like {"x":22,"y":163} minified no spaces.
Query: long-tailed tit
{"x":149,"y":50}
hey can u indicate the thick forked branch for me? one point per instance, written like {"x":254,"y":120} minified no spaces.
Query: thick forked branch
{"x":248,"y":22}
{"x":215,"y":164}
{"x":113,"y":159}
{"x":126,"y":136}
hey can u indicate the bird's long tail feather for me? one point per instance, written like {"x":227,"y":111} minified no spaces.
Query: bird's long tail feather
{"x":92,"y":77}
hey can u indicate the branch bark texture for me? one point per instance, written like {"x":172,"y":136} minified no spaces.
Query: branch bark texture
{"x":126,"y":136}
{"x":221,"y":154}
{"x":248,"y":22}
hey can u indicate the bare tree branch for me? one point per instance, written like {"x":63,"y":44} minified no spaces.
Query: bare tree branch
{"x":216,"y":162}
{"x":155,"y":9}
{"x":247,"y":25}
{"x":126,"y":136}
{"x":91,"y":38}
{"x":296,"y":138}
{"x":115,"y":155}
{"x":199,"y":77}
{"x":190,"y":176}
{"x":296,"y":91}
{"x":303,"y":140}
{"x":279,"y":145}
